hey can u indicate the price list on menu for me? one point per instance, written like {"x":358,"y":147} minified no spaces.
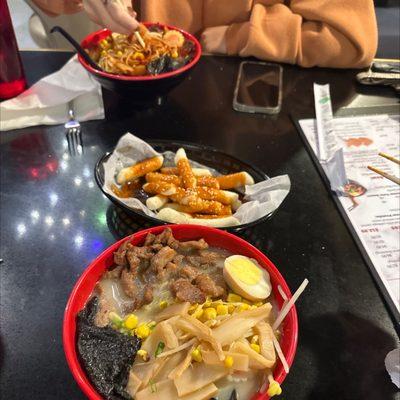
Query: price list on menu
{"x":370,"y":202}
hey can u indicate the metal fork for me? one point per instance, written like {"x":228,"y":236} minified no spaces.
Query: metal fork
{"x":73,"y":133}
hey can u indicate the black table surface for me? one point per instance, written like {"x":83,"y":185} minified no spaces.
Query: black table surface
{"x":54,"y":221}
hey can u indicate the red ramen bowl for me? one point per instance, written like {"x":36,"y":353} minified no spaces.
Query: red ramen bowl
{"x":214,"y":237}
{"x":140,"y":87}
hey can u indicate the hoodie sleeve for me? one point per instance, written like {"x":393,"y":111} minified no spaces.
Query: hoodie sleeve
{"x":326,"y":33}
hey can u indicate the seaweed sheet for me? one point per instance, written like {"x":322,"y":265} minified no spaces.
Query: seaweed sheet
{"x":105,"y":354}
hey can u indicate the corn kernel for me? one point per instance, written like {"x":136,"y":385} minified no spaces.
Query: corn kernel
{"x":138,"y":56}
{"x":196,"y":355}
{"x":104,"y":44}
{"x":231,"y":308}
{"x":143,"y":354}
{"x":222,"y":310}
{"x":254,"y":339}
{"x":103,"y":53}
{"x":198,"y":313}
{"x":193,"y":307}
{"x":258,"y":304}
{"x":131,"y":321}
{"x":228,"y":362}
{"x":163,"y":304}
{"x":255,"y":347}
{"x":210,"y":313}
{"x":234,"y":298}
{"x":244,"y":307}
{"x":119,"y":53}
{"x":274,"y":389}
{"x":143,"y":331}
{"x":174,"y":54}
{"x":207,"y":303}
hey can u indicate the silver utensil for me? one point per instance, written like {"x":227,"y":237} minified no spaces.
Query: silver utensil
{"x":73,"y":133}
{"x":380,"y":78}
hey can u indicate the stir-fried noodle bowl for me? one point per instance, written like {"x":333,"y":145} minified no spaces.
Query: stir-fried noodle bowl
{"x":150,"y":51}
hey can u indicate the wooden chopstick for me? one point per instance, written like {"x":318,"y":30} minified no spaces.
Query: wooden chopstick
{"x":389,"y":157}
{"x":140,"y":39}
{"x":384,"y":174}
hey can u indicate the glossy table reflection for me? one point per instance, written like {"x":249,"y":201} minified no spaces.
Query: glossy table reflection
{"x":54,"y":221}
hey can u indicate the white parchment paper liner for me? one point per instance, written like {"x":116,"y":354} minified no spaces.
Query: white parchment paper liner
{"x":46,"y":102}
{"x":261,"y":198}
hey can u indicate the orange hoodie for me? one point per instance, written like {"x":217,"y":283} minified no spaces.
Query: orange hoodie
{"x":327,"y":33}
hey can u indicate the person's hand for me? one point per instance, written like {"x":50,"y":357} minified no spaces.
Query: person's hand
{"x":213,"y":40}
{"x":59,"y":7}
{"x":116,"y":15}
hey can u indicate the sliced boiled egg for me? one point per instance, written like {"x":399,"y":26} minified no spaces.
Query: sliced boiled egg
{"x":245,"y":277}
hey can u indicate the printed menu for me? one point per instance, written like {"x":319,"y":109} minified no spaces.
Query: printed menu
{"x":371,"y":202}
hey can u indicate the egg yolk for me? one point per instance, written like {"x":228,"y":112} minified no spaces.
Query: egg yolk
{"x":245,"y":270}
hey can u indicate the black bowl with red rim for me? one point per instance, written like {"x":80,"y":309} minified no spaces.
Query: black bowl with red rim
{"x":205,"y":155}
{"x":143,"y":86}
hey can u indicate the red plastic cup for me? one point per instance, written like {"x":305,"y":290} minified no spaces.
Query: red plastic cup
{"x":12,"y":78}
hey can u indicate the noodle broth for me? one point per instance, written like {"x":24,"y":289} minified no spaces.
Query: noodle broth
{"x":166,"y":356}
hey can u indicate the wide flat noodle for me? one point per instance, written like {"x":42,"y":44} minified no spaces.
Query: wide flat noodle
{"x":197,"y":377}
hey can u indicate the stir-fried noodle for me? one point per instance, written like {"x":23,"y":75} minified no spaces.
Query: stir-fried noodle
{"x":145,"y":52}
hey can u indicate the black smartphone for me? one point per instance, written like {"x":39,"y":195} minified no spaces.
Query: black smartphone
{"x":258,"y":88}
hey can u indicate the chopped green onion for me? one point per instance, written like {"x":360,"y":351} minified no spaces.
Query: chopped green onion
{"x":159,"y":349}
{"x":115,"y":319}
{"x":152,"y":325}
{"x":153,"y":386}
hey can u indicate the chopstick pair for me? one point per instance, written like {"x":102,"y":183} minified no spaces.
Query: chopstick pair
{"x":137,"y":34}
{"x":383,"y":173}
